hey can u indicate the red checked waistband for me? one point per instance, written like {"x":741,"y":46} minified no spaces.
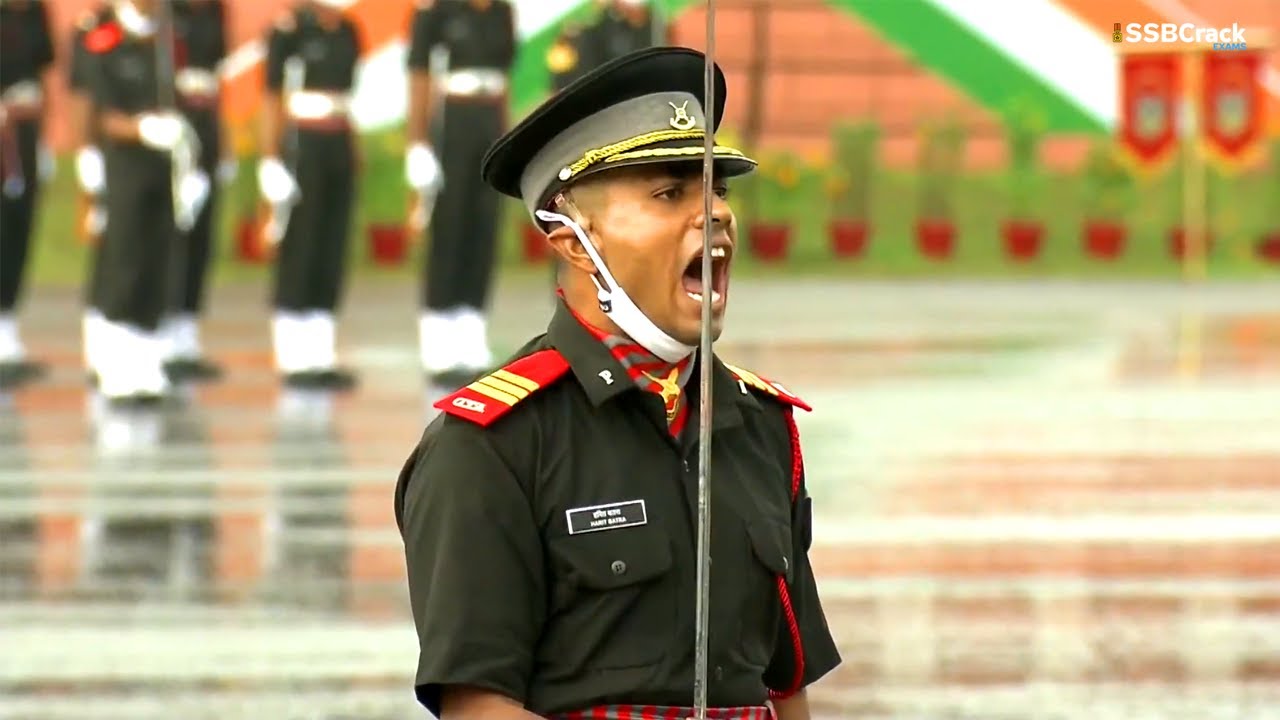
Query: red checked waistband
{"x":656,"y":712}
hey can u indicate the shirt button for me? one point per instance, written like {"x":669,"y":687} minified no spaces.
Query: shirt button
{"x":618,"y":567}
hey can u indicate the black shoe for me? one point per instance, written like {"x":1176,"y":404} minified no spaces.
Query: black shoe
{"x":337,"y":379}
{"x":193,"y":369}
{"x":302,"y":379}
{"x":136,"y":401}
{"x":15,"y":373}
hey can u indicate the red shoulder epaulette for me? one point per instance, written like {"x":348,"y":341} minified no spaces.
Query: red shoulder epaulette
{"x":492,"y":396}
{"x":103,"y":38}
{"x":769,"y":387}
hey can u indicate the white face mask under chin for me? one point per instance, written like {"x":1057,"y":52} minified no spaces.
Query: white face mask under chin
{"x":615,"y":302}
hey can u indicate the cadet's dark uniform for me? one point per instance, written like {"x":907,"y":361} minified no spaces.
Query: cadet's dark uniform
{"x":123,"y":76}
{"x":550,"y":516}
{"x":26,"y":51}
{"x":464,"y":220}
{"x":202,"y":26}
{"x":311,"y":265}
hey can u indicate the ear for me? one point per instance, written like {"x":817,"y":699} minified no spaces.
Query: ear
{"x":567,"y":245}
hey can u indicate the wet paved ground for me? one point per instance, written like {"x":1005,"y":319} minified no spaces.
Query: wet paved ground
{"x":1035,"y":501}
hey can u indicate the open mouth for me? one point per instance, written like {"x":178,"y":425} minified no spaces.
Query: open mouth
{"x":692,"y":277}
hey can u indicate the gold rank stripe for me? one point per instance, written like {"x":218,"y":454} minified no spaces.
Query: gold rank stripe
{"x":514,"y":379}
{"x":504,"y":386}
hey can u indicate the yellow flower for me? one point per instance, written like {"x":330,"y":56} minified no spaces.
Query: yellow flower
{"x":837,"y":184}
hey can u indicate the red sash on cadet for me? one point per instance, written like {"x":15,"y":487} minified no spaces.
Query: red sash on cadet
{"x":654,"y":712}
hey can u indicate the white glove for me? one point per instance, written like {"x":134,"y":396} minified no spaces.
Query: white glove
{"x":421,"y":168}
{"x":274,"y":181}
{"x":91,"y":171}
{"x":46,"y":163}
{"x":193,"y":191}
{"x":162,"y":131}
{"x":228,"y":168}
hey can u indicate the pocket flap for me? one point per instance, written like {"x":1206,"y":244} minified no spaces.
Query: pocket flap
{"x":615,"y":558}
{"x":771,"y":543}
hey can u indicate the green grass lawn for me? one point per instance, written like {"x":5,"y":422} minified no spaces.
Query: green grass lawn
{"x":1240,"y":209}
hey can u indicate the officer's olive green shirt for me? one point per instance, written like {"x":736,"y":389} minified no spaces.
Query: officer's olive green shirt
{"x":506,"y":598}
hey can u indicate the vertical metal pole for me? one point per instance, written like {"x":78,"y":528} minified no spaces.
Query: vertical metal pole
{"x":702,"y":629}
{"x":1194,"y":227}
{"x":657,"y":24}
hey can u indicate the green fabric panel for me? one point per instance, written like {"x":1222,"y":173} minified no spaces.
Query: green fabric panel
{"x":969,"y":62}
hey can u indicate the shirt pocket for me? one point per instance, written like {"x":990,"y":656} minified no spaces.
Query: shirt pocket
{"x":613,"y":600}
{"x":761,"y":606}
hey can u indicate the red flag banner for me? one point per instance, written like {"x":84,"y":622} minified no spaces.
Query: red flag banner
{"x":1151,"y":89}
{"x":1234,"y":106}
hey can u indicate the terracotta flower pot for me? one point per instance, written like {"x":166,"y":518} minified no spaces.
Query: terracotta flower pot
{"x":936,"y":238}
{"x":533,"y":245}
{"x":388,"y":243}
{"x":1104,"y":240}
{"x":249,"y":248}
{"x":1179,"y":247}
{"x":1022,"y":239}
{"x":770,"y":241}
{"x":848,"y":237}
{"x":1269,"y":247}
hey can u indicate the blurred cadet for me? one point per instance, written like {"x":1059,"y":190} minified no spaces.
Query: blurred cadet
{"x":26,"y":52}
{"x":307,"y":177}
{"x":150,"y":154}
{"x":551,"y":547}
{"x":477,"y":40}
{"x":91,"y":176}
{"x":201,"y":27}
{"x":619,"y":27}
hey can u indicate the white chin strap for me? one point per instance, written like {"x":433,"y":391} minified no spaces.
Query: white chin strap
{"x":615,"y":302}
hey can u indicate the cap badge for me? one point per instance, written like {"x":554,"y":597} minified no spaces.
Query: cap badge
{"x":681,"y":120}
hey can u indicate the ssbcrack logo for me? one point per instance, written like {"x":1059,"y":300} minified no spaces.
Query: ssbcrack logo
{"x":1226,"y":38}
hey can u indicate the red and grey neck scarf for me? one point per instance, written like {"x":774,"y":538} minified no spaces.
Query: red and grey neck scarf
{"x":651,"y":373}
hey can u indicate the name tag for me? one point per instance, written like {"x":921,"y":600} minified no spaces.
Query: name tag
{"x":613,"y":516}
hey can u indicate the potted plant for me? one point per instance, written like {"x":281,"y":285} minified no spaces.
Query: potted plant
{"x":777,"y":205}
{"x":941,"y":159}
{"x":1023,"y":231}
{"x":849,"y":187}
{"x":1108,"y":194}
{"x":384,"y":198}
{"x":242,"y":195}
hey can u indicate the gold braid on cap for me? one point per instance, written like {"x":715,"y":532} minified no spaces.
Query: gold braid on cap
{"x":591,"y":157}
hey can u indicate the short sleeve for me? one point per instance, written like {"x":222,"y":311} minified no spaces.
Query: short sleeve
{"x":474,"y":563}
{"x":810,"y":633}
{"x":42,"y":35}
{"x":280,"y":41}
{"x":424,"y":34}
